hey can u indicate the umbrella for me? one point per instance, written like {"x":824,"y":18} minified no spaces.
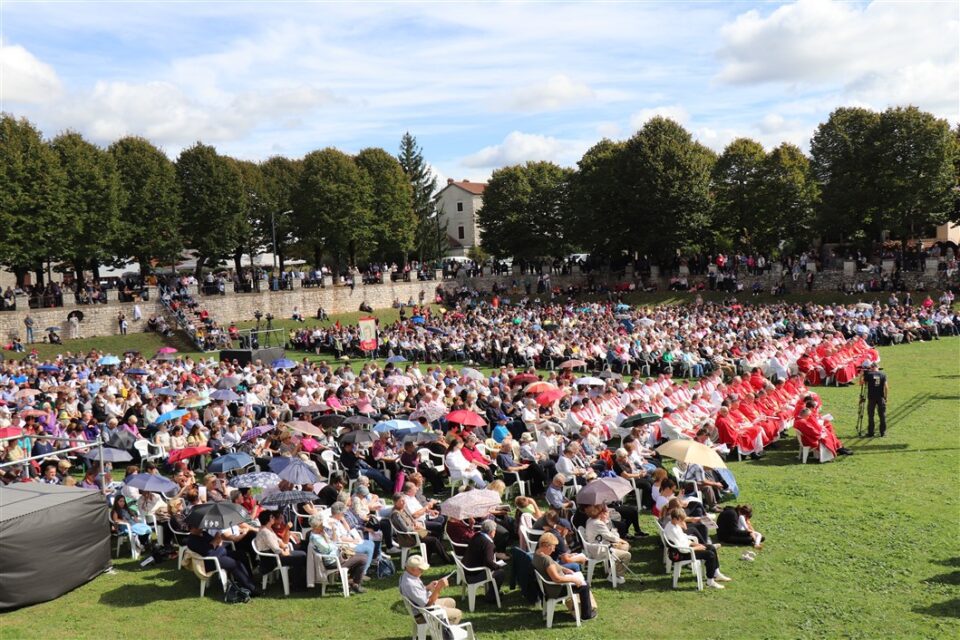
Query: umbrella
{"x":73,"y":361}
{"x":182,"y":454}
{"x":430,"y":412}
{"x":417,"y":320}
{"x":259,"y":480}
{"x":398,"y":381}
{"x":122,"y":439}
{"x":217,"y":515}
{"x":589,"y":381}
{"x":76,"y":313}
{"x":304,"y":427}
{"x":358,"y":437}
{"x":227,"y":395}
{"x":638,"y":419}
{"x":395,"y":425}
{"x":108,"y":361}
{"x":27,"y":393}
{"x":166,"y":350}
{"x":282,"y":498}
{"x":256,"y":432}
{"x":164,"y":356}
{"x":691,"y":452}
{"x":52,"y":329}
{"x":437,"y":330}
{"x":48,"y":368}
{"x":109,"y":455}
{"x":473,"y":374}
{"x":549,"y":397}
{"x":539,"y":387}
{"x":279,"y":463}
{"x":194,"y":402}
{"x":230,"y":462}
{"x":609,"y":375}
{"x":36,"y":413}
{"x":470,"y":504}
{"x":423,"y":436}
{"x":176,"y":414}
{"x":330,"y":421}
{"x":10,"y":432}
{"x":524,"y":378}
{"x":466,"y":417}
{"x":150,"y":482}
{"x":551,"y":326}
{"x":297,"y":472}
{"x":283,"y":363}
{"x":359,"y":420}
{"x":137,"y":372}
{"x":395,"y":359}
{"x":166,"y":391}
{"x":604,"y":490}
{"x":571,"y":364}
{"x":313,"y":408}
{"x":228,"y":382}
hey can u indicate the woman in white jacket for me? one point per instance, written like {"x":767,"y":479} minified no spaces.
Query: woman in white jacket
{"x":459,"y":466}
{"x":599,"y":530}
{"x":676,"y":534}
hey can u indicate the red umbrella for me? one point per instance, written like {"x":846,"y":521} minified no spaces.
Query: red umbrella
{"x":570,"y":364}
{"x":523,"y":378}
{"x":539,"y":387}
{"x":32,"y":412}
{"x":166,"y":350}
{"x":466,"y":418}
{"x":11,"y":432}
{"x":182,"y":454}
{"x":549,"y":397}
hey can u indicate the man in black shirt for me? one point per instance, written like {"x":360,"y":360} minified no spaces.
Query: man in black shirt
{"x":329,"y":494}
{"x":876,"y":382}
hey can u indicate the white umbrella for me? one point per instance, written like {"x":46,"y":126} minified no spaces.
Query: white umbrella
{"x":398,"y":381}
{"x":692,"y":452}
{"x":589,"y":381}
{"x":473,"y":374}
{"x":470,"y":504}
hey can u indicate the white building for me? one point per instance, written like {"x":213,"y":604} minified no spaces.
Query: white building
{"x":459,"y":203}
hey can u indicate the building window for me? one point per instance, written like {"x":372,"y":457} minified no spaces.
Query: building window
{"x":460,"y":206}
{"x":459,"y":233}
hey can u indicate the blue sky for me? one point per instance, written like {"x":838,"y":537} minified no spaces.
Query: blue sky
{"x":481,"y":85}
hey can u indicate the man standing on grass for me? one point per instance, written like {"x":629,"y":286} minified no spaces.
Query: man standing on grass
{"x":877,"y":389}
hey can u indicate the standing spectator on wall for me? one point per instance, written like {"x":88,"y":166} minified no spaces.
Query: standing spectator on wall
{"x":28,"y":323}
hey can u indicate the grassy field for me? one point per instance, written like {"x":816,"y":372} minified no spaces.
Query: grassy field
{"x":856,"y":549}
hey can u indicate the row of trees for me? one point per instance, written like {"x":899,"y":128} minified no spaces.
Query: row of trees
{"x":661,"y":191}
{"x":71,"y":202}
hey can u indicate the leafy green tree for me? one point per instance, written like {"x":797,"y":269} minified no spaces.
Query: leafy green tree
{"x":150,"y":203}
{"x":843,"y":163}
{"x":423,"y":183}
{"x":332,"y":207}
{"x":915,"y":171}
{"x":255,"y":228}
{"x":786,"y":200}
{"x":281,"y":176}
{"x":597,"y":201}
{"x":524,"y":209}
{"x":736,"y":186}
{"x":32,"y":196}
{"x":211,"y":203}
{"x":394,"y":221}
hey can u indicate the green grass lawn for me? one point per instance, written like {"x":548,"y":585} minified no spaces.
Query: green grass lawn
{"x":867,"y":546}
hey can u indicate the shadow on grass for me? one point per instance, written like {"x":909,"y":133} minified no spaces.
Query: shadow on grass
{"x":952,"y":578}
{"x":948,"y":609}
{"x":906,"y":409}
{"x":135,"y":595}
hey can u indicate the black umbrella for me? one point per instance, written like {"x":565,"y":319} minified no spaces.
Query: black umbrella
{"x":358,"y":437}
{"x":609,"y":375}
{"x":283,"y":498}
{"x":638,"y":419}
{"x":73,"y":361}
{"x":423,"y":436}
{"x":604,"y":490}
{"x":330,"y":421}
{"x":228,"y":382}
{"x":217,"y":515}
{"x":76,"y":313}
{"x":121,"y":440}
{"x":359,"y":420}
{"x":109,"y":455}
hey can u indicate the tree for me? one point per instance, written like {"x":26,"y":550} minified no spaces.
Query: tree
{"x":915,"y":174}
{"x":254,"y":232}
{"x":843,"y":163}
{"x":393,"y":218}
{"x":280,"y":176}
{"x":423,"y":183}
{"x":736,"y":186}
{"x":32,"y":195}
{"x":212,"y":204}
{"x":666,"y":178}
{"x":332,"y":207}
{"x":150,"y":206}
{"x":597,"y":201}
{"x":524,"y":209}
{"x":785,"y":199}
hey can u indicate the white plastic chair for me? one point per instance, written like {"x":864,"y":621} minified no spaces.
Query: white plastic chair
{"x":332,"y":462}
{"x":440,"y":627}
{"x":199,"y":569}
{"x":417,"y":547}
{"x":472,"y":588}
{"x":696,"y":566}
{"x":458,"y":549}
{"x":598,"y":553}
{"x":529,"y":537}
{"x":549,"y":605}
{"x":329,"y":575}
{"x":420,"y":629}
{"x":125,"y":533}
{"x":143,"y":447}
{"x":283,"y":570}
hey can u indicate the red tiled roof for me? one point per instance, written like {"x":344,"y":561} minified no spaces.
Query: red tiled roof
{"x":476,"y":188}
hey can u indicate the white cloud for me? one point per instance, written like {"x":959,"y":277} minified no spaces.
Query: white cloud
{"x":674,"y":112}
{"x":520,"y":147}
{"x":557,"y":92}
{"x":24,"y":78}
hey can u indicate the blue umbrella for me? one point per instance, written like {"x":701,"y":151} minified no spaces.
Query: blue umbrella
{"x":166,"y":391}
{"x":137,"y":372}
{"x":150,"y":482}
{"x":227,"y":395}
{"x":437,"y":330}
{"x":108,"y":361}
{"x":627,"y":325}
{"x":109,"y":455}
{"x":21,"y":379}
{"x":730,"y":481}
{"x":622,"y":307}
{"x":395,"y":359}
{"x":396,"y":425}
{"x":283,"y":363}
{"x":297,"y":472}
{"x":418,"y":320}
{"x":279,"y":463}
{"x":260,"y":480}
{"x":171,"y":415}
{"x":230,"y":462}
{"x":48,"y":368}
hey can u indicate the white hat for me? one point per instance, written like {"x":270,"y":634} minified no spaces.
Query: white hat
{"x":417,"y":562}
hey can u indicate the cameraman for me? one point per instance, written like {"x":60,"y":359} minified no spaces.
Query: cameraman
{"x":877,"y":388}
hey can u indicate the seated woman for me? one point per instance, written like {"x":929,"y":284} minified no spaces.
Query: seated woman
{"x":676,"y":535}
{"x":600,"y":530}
{"x":733,"y":527}
{"x":267,"y":541}
{"x":122,"y":518}
{"x":364,"y":507}
{"x":353,"y":562}
{"x":549,"y":569}
{"x":459,"y":466}
{"x":340,"y":531}
{"x":205,"y":545}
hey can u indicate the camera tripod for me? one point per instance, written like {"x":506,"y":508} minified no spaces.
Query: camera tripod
{"x":860,"y":408}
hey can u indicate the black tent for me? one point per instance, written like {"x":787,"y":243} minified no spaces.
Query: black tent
{"x":52,"y":539}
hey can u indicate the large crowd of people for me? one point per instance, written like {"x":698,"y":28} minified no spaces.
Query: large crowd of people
{"x":361,"y":457}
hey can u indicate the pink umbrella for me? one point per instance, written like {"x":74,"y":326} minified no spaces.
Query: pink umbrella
{"x":166,"y":350}
{"x":305,"y":427}
{"x":539,"y":387}
{"x":549,"y":397}
{"x":309,"y":444}
{"x":466,"y":418}
{"x":182,"y":454}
